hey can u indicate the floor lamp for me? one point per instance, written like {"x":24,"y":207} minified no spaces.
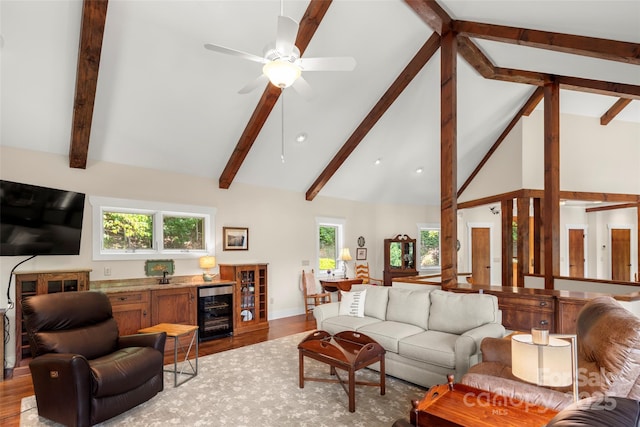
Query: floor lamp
{"x":546,"y":360}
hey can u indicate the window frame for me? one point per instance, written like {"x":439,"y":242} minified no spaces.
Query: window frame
{"x":339,"y":223}
{"x":158,"y":210}
{"x":428,"y":227}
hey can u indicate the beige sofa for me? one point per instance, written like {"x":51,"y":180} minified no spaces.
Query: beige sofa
{"x":427,"y":333}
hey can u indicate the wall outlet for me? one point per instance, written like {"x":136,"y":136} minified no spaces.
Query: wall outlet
{"x":305,"y":262}
{"x":271,"y":300}
{"x":107,"y":271}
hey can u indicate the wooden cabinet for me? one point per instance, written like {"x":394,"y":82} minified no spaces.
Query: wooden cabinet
{"x":176,"y":305}
{"x":568,"y":309}
{"x":249,"y":295}
{"x":399,"y":258}
{"x":523,"y":312}
{"x":38,"y":283}
{"x":132,"y":311}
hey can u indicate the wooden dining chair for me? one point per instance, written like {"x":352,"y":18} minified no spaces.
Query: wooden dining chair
{"x":311,"y":295}
{"x":362,"y":272}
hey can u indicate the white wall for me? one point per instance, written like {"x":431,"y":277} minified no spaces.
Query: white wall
{"x":281,"y":223}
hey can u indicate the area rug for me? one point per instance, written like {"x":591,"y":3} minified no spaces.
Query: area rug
{"x":257,"y":385}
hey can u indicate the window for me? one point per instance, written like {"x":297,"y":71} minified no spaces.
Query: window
{"x":429,"y":244}
{"x":329,"y":241}
{"x":128,"y":229}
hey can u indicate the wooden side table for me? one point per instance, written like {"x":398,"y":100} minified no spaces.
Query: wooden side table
{"x":176,"y":331}
{"x":460,"y":405}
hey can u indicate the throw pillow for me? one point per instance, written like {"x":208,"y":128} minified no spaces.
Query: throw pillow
{"x":352,"y":303}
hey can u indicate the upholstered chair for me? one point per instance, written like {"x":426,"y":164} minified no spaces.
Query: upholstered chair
{"x":83,"y":372}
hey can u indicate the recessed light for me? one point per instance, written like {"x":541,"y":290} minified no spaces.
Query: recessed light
{"x":377,"y":162}
{"x":302,"y":137}
{"x":419,"y":170}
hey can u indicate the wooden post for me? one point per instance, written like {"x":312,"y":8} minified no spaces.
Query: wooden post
{"x":448,"y":160}
{"x":551,"y":183}
{"x":523,"y":238}
{"x":507,"y":242}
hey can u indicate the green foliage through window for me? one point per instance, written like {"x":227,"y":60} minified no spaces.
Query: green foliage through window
{"x":183,"y":232}
{"x":127,"y":231}
{"x":328,"y":247}
{"x":429,"y":248}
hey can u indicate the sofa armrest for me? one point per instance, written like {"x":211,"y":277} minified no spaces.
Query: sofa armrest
{"x":496,"y":350}
{"x":324,"y":311}
{"x":525,"y":392}
{"x":155,"y":340}
{"x":468,"y":344}
{"x":62,"y":383}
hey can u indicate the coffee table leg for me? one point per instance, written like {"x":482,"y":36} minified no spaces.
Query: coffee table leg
{"x":301,"y":368}
{"x":382,"y":377}
{"x":352,"y":390}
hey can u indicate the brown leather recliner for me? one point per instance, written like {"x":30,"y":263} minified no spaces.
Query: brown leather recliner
{"x":83,"y":372}
{"x":608,"y":338}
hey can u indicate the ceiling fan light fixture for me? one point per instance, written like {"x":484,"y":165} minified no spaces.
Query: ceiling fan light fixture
{"x":281,"y":73}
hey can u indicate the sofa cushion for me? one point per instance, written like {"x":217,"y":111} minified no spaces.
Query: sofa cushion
{"x":389,"y":333}
{"x":457,"y":313}
{"x":337,"y":324}
{"x":409,"y":306}
{"x":352,"y":303}
{"x":437,"y":348}
{"x":375,"y":305}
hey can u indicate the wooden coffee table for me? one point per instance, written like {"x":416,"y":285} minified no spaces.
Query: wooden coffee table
{"x":349,"y":351}
{"x":460,"y":405}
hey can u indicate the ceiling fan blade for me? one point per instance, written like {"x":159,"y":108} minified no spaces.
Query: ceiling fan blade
{"x":341,"y":63}
{"x":286,"y":35}
{"x":254,"y":84}
{"x":228,"y":51}
{"x":303,"y":88}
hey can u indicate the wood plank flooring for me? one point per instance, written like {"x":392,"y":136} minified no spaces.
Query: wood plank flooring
{"x":13,"y":390}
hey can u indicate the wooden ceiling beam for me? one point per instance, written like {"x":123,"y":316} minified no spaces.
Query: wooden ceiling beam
{"x":476,"y":57}
{"x":397,"y":87}
{"x":94,"y":16}
{"x":432,"y":14}
{"x":615,"y":109}
{"x":567,"y":43}
{"x":308,"y":25}
{"x":533,"y":100}
{"x":612,"y":207}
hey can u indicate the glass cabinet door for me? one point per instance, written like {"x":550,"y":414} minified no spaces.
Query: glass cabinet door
{"x":248,"y":295}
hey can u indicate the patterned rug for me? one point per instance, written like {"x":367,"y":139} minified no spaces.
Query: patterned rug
{"x":257,"y":385}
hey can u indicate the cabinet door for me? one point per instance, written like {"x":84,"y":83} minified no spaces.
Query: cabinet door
{"x":174,"y":306}
{"x":131,"y":311}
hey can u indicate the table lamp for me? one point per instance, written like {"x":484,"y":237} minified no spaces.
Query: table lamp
{"x":546,"y":361}
{"x":206,"y":263}
{"x":345,"y":256}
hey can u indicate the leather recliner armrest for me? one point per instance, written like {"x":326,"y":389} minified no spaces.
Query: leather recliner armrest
{"x":155,"y":340}
{"x":496,"y":350}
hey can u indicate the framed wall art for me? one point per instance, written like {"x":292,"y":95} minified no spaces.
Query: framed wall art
{"x":235,"y":238}
{"x":361,"y":254}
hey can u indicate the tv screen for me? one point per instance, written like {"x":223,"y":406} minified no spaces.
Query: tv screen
{"x":39,"y":220}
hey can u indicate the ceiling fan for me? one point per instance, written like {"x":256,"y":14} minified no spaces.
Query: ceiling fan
{"x":282,"y":63}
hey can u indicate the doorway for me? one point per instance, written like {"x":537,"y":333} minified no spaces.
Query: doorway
{"x":576,"y":252}
{"x":481,"y":255}
{"x":621,"y":254}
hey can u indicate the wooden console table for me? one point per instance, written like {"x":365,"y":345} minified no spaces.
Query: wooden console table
{"x":335,"y":285}
{"x":459,"y":405}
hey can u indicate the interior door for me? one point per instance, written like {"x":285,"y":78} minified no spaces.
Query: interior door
{"x":481,"y":255}
{"x":621,"y":254}
{"x":576,"y":252}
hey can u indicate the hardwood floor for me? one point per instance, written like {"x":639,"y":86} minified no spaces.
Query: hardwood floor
{"x":13,"y":390}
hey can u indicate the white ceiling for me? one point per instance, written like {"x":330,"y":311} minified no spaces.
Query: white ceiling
{"x":164,"y":102}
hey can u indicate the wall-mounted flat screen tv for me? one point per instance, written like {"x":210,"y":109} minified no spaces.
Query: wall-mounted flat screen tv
{"x":38,"y":220}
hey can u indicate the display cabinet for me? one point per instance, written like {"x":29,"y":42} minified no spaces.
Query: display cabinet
{"x":399,"y":258}
{"x":249,"y":295}
{"x":38,"y":283}
{"x":132,"y":311}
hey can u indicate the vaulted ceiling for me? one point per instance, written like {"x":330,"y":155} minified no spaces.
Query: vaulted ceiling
{"x":148,"y":94}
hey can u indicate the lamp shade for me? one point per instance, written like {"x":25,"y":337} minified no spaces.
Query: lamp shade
{"x":345,"y":255}
{"x":546,"y":365}
{"x":207,"y":262}
{"x":281,"y":73}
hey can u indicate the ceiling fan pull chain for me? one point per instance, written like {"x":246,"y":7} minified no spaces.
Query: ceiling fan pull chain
{"x":282,"y":122}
